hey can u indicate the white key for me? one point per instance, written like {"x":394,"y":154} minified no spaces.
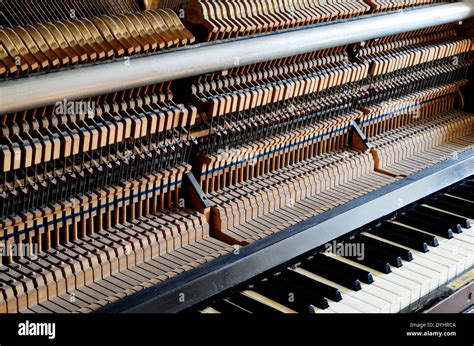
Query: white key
{"x":460,"y":262}
{"x":340,"y":307}
{"x":440,"y":269}
{"x":449,"y":253}
{"x":469,"y":231}
{"x":238,"y":307}
{"x":426,"y":272}
{"x":267,"y":301}
{"x":422,"y":283}
{"x":465,"y":248}
{"x":402,"y":294}
{"x":383,"y":298}
{"x":436,"y":258}
{"x":348,"y":296}
{"x":468,"y":234}
{"x":458,"y":247}
{"x":469,"y":240}
{"x":315,"y":310}
{"x":452,"y":265}
{"x":209,"y":310}
{"x":426,"y":282}
{"x":389,"y":303}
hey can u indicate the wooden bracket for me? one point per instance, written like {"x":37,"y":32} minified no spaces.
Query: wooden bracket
{"x":357,"y":138}
{"x":197,"y":198}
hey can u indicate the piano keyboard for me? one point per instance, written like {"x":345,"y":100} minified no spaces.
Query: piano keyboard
{"x":106,"y":196}
{"x":403,"y":262}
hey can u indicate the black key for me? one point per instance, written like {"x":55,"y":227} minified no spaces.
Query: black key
{"x":464,"y":222}
{"x":250,"y":304}
{"x":401,"y":238}
{"x":432,"y":215}
{"x":312,"y":285}
{"x":425,"y":225}
{"x":337,"y":271}
{"x":337,"y":277}
{"x":224,"y":306}
{"x":295,"y":299}
{"x":450,"y":207}
{"x":457,"y":201}
{"x":467,"y":185}
{"x":313,"y":297}
{"x":385,"y":247}
{"x":371,"y":260}
{"x":392,"y":259}
{"x":419,"y":237}
{"x":360,"y":274}
{"x":462,"y":191}
{"x":458,"y":206}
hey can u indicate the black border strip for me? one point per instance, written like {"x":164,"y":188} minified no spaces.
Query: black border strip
{"x":201,"y":283}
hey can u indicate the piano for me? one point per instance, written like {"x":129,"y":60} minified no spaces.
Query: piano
{"x":261,"y":156}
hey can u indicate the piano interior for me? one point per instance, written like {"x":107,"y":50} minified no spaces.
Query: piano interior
{"x":109,"y":194}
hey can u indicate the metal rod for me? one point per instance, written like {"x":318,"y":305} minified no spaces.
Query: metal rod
{"x":46,"y":89}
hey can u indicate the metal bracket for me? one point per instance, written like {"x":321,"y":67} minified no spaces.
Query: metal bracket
{"x":357,"y":138}
{"x":197,"y":198}
{"x":456,"y":303}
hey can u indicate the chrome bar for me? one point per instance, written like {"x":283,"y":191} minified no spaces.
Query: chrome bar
{"x":76,"y":83}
